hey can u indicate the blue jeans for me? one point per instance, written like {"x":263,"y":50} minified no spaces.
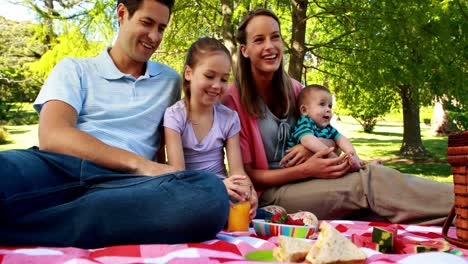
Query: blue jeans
{"x":50,"y":199}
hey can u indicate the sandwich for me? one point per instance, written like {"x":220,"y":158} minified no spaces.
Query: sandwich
{"x":291,"y":249}
{"x":332,"y":247}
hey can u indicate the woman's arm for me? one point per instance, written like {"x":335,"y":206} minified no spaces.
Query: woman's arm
{"x":175,"y":152}
{"x":316,"y":166}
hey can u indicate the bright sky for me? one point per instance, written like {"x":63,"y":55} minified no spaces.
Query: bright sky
{"x":15,"y":12}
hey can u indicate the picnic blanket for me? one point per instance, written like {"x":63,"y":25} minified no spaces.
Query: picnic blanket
{"x":226,"y":248}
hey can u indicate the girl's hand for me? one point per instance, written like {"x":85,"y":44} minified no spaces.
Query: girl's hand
{"x":319,"y":166}
{"x":237,"y":188}
{"x":295,"y":156}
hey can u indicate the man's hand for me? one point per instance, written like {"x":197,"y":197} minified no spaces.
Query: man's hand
{"x":151,"y":168}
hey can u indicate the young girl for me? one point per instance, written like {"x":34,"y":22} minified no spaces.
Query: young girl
{"x":198,"y":127}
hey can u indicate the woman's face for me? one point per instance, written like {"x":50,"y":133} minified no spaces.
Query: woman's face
{"x":264,"y":45}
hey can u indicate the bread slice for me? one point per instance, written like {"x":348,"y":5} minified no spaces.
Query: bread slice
{"x":291,"y":249}
{"x":332,"y":247}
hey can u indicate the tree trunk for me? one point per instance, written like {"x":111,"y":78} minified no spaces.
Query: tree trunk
{"x":412,"y":144}
{"x":228,"y":30}
{"x":440,"y":124}
{"x":49,"y":6}
{"x":299,"y":19}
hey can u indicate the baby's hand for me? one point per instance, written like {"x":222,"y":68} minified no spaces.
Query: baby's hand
{"x":354,"y":162}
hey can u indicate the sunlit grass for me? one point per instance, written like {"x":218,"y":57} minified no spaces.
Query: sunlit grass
{"x":21,"y":137}
{"x":384,"y":143}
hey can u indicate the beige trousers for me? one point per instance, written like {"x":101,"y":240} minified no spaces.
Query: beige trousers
{"x":393,"y":196}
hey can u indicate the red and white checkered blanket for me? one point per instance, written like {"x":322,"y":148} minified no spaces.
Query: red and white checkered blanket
{"x":225,"y":249}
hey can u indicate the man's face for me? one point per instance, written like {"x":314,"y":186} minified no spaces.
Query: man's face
{"x":140,"y":35}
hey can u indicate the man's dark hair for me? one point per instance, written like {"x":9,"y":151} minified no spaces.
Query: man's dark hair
{"x":133,"y":5}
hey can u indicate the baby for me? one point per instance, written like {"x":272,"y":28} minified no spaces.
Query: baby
{"x":313,"y":129}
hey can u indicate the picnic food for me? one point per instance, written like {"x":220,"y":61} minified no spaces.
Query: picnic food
{"x":332,"y":247}
{"x":291,"y":249}
{"x":274,"y":209}
{"x":307,"y":218}
{"x":386,"y":240}
{"x":299,"y":218}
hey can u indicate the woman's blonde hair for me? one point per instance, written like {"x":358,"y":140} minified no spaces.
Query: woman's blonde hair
{"x":281,"y":84}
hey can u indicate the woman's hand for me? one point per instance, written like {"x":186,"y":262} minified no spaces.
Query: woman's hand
{"x":295,"y":156}
{"x":319,"y":166}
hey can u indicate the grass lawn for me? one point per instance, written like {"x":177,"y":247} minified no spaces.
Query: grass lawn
{"x":384,"y":143}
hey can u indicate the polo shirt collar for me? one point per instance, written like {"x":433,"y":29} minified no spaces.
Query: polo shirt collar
{"x":107,"y":69}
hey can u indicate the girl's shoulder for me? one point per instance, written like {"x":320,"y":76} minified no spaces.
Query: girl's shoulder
{"x":225,"y":111}
{"x":179,"y":105}
{"x":177,"y":109}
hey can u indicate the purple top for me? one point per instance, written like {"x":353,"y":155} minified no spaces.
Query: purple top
{"x":208,"y":154}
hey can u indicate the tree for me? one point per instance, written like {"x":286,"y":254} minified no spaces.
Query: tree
{"x":401,"y":48}
{"x":18,"y":46}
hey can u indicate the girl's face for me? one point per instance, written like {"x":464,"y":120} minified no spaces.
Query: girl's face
{"x":208,"y":78}
{"x":264,"y":45}
{"x":318,"y":107}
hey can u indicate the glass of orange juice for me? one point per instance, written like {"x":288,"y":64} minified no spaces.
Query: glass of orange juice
{"x":239,"y":215}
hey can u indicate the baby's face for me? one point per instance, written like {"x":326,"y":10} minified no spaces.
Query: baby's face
{"x":318,"y":107}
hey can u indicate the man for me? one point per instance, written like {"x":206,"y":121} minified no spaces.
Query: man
{"x":93,"y":181}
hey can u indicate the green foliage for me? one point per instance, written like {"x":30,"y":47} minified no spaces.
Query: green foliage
{"x":458,"y":115}
{"x":72,"y":43}
{"x":17,"y":82}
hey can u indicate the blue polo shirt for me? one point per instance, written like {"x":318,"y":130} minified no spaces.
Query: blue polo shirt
{"x":114,"y":107}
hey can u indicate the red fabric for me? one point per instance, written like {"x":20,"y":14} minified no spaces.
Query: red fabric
{"x":224,"y":249}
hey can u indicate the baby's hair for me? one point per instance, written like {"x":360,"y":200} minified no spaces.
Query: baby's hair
{"x":305,"y":92}
{"x":204,"y":46}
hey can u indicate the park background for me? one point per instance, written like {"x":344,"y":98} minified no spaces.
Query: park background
{"x":397,"y":68}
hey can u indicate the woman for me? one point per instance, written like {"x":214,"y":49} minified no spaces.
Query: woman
{"x":264,"y":97}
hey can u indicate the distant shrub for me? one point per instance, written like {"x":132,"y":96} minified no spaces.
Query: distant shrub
{"x":3,"y":135}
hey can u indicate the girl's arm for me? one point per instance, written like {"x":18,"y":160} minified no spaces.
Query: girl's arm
{"x":175,"y":153}
{"x":316,"y":166}
{"x":236,"y":168}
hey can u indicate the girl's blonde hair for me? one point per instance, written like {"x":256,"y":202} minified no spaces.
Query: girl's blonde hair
{"x":198,"y":50}
{"x":281,"y":85}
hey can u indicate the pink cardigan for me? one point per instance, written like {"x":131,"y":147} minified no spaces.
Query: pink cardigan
{"x":251,"y":142}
